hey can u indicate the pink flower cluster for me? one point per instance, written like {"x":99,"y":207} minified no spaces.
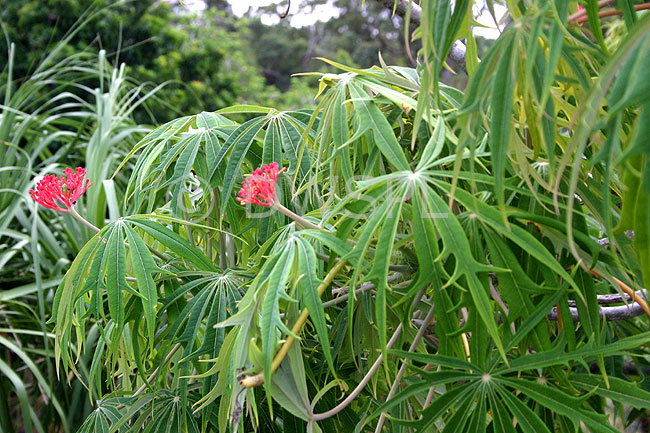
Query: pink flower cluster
{"x":259,"y":187}
{"x":52,"y":191}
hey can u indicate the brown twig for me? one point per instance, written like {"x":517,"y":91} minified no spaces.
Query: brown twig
{"x":258,"y":379}
{"x":286,"y":13}
{"x":583,"y":12}
{"x":611,"y":12}
{"x":154,"y":375}
{"x":400,"y":374}
{"x":634,"y":295}
{"x":375,"y":366}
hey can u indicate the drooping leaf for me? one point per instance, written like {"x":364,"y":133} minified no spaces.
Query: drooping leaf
{"x":270,"y":320}
{"x":143,"y":266}
{"x":455,"y":242}
{"x":370,"y":117}
{"x":308,"y":283}
{"x":174,"y":242}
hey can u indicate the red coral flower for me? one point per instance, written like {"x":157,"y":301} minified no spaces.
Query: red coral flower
{"x":259,"y":187}
{"x":52,"y":191}
{"x":580,"y":8}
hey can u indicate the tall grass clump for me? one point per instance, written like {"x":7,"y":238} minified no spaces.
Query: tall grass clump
{"x":71,"y":110}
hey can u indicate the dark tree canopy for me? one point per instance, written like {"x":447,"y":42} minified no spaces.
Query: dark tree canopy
{"x":205,"y":59}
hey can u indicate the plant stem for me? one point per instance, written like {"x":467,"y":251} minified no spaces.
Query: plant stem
{"x":82,"y":220}
{"x":153,"y":375}
{"x":583,"y":13}
{"x":582,"y":17}
{"x":340,"y":295}
{"x":258,"y":379}
{"x":404,"y":269}
{"x":400,"y":374}
{"x":96,"y":229}
{"x":628,"y":290}
{"x":330,"y":413}
{"x":297,"y":218}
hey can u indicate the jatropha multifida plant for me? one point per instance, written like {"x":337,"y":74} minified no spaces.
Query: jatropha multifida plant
{"x":430,"y":259}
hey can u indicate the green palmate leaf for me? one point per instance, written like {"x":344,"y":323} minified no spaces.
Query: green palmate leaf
{"x":424,"y":237}
{"x":502,"y":422}
{"x":341,"y":132}
{"x":557,"y":356}
{"x":461,"y":9}
{"x":526,"y":418}
{"x":628,"y":88}
{"x":173,"y":154}
{"x":212,"y":147}
{"x":516,"y":234}
{"x":533,"y":318}
{"x":432,"y":379}
{"x":244,"y":109}
{"x":589,"y":113}
{"x":515,"y":285}
{"x":593,"y":16}
{"x":181,"y":174}
{"x":272,"y":151}
{"x":555,"y":43}
{"x":588,"y":311}
{"x":379,"y":272}
{"x":370,"y":227}
{"x":66,"y":291}
{"x":308,"y":283}
{"x":440,"y":405}
{"x":191,"y":317}
{"x":270,"y":319}
{"x":290,"y":386}
{"x":438,"y":360}
{"x":220,"y":364}
{"x":455,"y":242}
{"x":291,"y":143}
{"x":213,"y":339}
{"x":480,"y":79}
{"x":336,"y":245}
{"x":115,"y":264}
{"x":396,"y":97}
{"x":440,"y":17}
{"x":370,"y":117}
{"x":195,"y":315}
{"x":622,"y":391}
{"x":207,"y":120}
{"x":240,"y":141}
{"x":478,"y":415}
{"x":143,"y":266}
{"x":244,"y":132}
{"x":561,"y":403}
{"x":461,"y":415}
{"x":434,"y":146}
{"x":430,"y":272}
{"x":95,"y":281}
{"x":500,"y":122}
{"x":357,"y":254}
{"x":138,"y":355}
{"x":174,"y":242}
